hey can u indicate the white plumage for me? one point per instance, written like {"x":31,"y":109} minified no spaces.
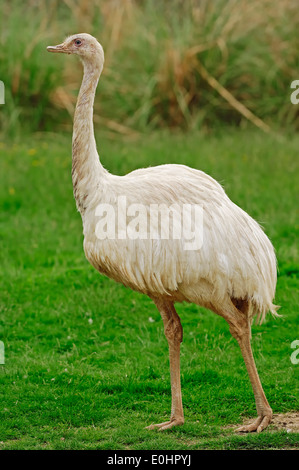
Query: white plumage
{"x":236,"y":258}
{"x":233,"y":273}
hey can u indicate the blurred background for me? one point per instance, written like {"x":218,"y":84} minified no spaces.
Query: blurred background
{"x":189,"y":64}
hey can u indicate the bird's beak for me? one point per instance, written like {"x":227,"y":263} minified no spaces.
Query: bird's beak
{"x":58,"y":48}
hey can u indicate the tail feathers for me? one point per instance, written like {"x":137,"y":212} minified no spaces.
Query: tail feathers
{"x":261,"y":311}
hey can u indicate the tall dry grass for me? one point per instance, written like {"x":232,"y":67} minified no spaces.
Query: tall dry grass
{"x":186,"y":63}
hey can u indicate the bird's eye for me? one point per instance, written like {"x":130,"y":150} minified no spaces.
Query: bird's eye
{"x":78,"y":42}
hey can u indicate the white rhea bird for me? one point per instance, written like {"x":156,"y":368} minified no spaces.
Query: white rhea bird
{"x":233,"y":273}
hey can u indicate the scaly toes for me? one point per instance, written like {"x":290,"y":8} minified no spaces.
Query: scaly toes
{"x":171,"y":424}
{"x":265,"y":422}
{"x":166,"y":425}
{"x":250,"y":427}
{"x":155,"y":426}
{"x":258,"y":425}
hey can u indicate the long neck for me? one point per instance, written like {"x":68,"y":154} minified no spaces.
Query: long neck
{"x":87,"y":170}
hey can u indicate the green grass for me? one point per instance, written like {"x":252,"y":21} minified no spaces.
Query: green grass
{"x":72,"y":383}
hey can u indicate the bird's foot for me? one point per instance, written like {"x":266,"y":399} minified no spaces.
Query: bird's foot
{"x":258,"y":424}
{"x":167,"y":425}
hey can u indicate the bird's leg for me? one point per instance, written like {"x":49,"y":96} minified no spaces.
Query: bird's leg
{"x":174,"y":334}
{"x":263,"y":408}
{"x":241,"y":330}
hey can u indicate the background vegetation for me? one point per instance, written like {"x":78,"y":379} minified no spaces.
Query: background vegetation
{"x":198,"y":82}
{"x":179,"y":63}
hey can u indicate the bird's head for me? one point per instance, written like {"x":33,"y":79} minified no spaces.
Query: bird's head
{"x":84,"y":45}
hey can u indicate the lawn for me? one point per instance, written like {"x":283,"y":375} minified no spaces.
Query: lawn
{"x":86,"y":361}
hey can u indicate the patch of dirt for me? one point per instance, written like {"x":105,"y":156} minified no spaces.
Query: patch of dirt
{"x":286,"y":422}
